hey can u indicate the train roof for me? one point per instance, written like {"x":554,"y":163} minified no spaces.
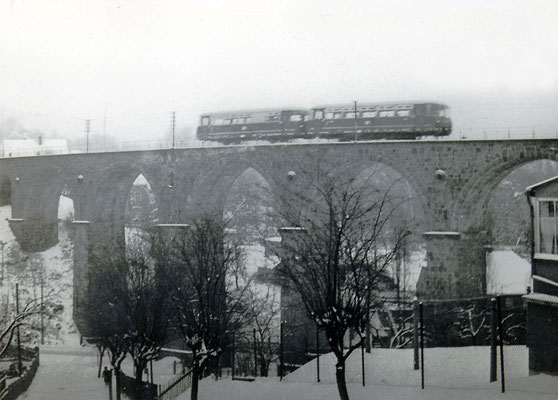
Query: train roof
{"x":402,"y":104}
{"x":253,"y":111}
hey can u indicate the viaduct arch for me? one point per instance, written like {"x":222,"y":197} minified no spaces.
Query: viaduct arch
{"x":454,"y":180}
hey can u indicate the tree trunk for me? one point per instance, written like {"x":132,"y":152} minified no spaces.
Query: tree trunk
{"x":195,"y":380}
{"x":101,"y":352}
{"x":117,"y":381}
{"x":340,"y":378}
{"x":138,"y":381}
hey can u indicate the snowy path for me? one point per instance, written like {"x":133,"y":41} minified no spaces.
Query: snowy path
{"x":67,"y":373}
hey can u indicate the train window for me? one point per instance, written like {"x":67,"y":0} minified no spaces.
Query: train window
{"x":318,"y":114}
{"x":205,"y":121}
{"x":248,"y":120}
{"x":295,"y":117}
{"x":217,"y":121}
{"x":350,"y":115}
{"x":272,"y":117}
{"x":403,"y":113}
{"x":329,"y":115}
{"x":235,"y":121}
{"x":387,"y":113}
{"x":227,"y":121}
{"x":369,"y":114}
{"x":338,"y":115}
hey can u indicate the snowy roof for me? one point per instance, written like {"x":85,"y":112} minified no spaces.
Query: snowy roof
{"x":541,"y":298}
{"x":507,"y":273}
{"x":530,"y":190}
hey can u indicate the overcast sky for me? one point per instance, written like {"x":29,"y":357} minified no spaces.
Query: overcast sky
{"x":495,"y":63}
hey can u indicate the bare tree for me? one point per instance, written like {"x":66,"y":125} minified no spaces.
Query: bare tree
{"x":127,"y":305}
{"x":344,"y":235}
{"x":264,"y":313}
{"x":11,"y":323}
{"x":207,"y":301}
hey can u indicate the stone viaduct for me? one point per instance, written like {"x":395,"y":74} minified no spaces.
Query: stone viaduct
{"x":453,"y":180}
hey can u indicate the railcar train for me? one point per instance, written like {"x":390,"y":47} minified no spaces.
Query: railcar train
{"x":344,"y":122}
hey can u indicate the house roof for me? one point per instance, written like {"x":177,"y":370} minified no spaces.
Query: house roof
{"x":530,"y":191}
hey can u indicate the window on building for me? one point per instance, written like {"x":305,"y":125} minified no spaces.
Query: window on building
{"x":547,"y":227}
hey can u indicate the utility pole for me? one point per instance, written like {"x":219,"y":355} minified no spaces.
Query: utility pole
{"x":105,"y":128}
{"x":356,"y":122}
{"x":2,"y":244}
{"x":87,"y":128}
{"x":42,"y":313}
{"x":19,"y":366}
{"x":173,"y":125}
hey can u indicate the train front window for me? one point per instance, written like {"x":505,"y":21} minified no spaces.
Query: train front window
{"x":442,"y":113}
{"x":272,"y":117}
{"x":318,"y":114}
{"x":295,"y":118}
{"x":205,"y":121}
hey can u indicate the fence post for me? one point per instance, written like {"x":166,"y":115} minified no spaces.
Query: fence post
{"x":421,"y":344}
{"x":415,"y":334}
{"x":281,"y":357}
{"x":255,"y":355}
{"x":363,"y":367}
{"x":493,"y":336}
{"x":499,"y":302}
{"x":318,"y":353}
{"x":232,"y":355}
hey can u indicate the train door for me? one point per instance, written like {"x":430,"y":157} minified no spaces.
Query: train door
{"x":420,"y":117}
{"x":292,"y":123}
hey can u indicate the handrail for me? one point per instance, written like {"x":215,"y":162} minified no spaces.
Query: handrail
{"x":172,"y":384}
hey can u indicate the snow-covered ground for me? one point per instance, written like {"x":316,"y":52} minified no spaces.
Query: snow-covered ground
{"x":450,"y":374}
{"x":69,"y":373}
